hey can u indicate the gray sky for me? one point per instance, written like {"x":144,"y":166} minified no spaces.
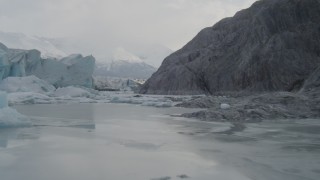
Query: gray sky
{"x":169,"y":22}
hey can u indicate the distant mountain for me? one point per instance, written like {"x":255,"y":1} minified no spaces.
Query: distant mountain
{"x":22,"y":41}
{"x":138,"y":62}
{"x":272,"y":46}
{"x":124,"y":65}
{"x":152,"y":54}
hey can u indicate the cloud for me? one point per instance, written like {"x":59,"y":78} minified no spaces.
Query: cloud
{"x":109,"y":22}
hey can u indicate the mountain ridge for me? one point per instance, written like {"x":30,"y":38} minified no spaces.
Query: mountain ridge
{"x":271,"y":46}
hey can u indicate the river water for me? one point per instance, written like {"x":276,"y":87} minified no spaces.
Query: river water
{"x":132,"y":142}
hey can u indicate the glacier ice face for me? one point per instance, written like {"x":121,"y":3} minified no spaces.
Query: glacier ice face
{"x":72,"y":70}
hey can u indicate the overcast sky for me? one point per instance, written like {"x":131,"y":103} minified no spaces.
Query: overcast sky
{"x":169,"y":22}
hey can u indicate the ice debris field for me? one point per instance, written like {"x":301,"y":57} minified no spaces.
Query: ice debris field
{"x":32,"y":90}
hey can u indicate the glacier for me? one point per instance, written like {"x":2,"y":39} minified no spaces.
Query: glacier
{"x":72,"y":70}
{"x":29,"y":78}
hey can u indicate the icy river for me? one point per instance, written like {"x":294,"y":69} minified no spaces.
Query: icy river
{"x":133,"y":142}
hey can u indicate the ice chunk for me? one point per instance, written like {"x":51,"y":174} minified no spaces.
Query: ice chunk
{"x":26,"y":84}
{"x":11,"y":118}
{"x":225,"y":106}
{"x":29,"y":98}
{"x":158,"y":104}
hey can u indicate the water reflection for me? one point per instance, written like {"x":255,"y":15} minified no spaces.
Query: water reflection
{"x":13,"y":137}
{"x":74,"y":116}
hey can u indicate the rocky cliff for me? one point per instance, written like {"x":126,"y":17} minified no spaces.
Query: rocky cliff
{"x":272,"y":46}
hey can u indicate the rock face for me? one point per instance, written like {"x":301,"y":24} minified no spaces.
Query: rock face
{"x":272,"y":46}
{"x":255,"y":108}
{"x":72,"y":70}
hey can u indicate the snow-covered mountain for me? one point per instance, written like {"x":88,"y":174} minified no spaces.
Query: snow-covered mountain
{"x":125,"y":65}
{"x":152,"y":54}
{"x":22,"y":41}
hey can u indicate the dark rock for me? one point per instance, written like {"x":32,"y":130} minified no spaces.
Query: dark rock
{"x":272,"y":46}
{"x":256,"y":108}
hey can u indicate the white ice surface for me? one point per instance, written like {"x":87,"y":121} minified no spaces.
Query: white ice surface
{"x":9,"y":117}
{"x":32,"y":90}
{"x":25,"y":84}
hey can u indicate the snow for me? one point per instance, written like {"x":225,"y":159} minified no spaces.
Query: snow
{"x":25,"y":84}
{"x":152,"y":54}
{"x":124,"y":69}
{"x":123,"y":64}
{"x":22,"y":41}
{"x":120,"y":54}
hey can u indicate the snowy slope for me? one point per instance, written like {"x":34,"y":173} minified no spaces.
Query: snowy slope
{"x":152,"y":54}
{"x":124,"y":65}
{"x":120,"y":54}
{"x":22,"y":41}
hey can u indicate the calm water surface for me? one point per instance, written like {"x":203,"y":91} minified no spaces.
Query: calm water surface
{"x":129,"y":142}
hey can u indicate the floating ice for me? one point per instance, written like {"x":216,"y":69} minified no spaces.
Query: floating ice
{"x":10,"y":117}
{"x":225,"y":106}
